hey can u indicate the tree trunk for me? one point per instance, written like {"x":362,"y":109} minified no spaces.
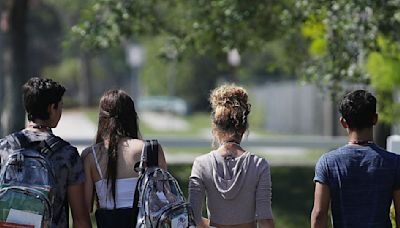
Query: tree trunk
{"x":382,"y":131}
{"x":1,"y":77}
{"x":15,"y":67}
{"x":85,"y":81}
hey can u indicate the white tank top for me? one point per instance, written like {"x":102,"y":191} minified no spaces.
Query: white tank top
{"x":124,"y":190}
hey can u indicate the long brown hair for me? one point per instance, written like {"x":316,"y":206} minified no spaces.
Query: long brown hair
{"x":117,"y":119}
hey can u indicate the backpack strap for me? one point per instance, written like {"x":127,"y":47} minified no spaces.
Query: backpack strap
{"x":17,"y":140}
{"x":152,"y":152}
{"x":97,"y":162}
{"x":149,"y":157}
{"x":52,"y":144}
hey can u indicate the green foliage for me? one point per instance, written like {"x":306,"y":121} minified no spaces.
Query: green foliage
{"x":200,"y":33}
{"x":206,"y":26}
{"x":66,"y":72}
{"x":315,"y":30}
{"x":353,"y":42}
{"x":383,"y":67}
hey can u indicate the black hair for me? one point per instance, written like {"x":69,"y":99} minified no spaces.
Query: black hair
{"x":117,"y":119}
{"x":358,"y":108}
{"x":38,"y":94}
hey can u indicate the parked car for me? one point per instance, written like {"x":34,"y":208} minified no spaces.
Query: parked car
{"x":169,"y":104}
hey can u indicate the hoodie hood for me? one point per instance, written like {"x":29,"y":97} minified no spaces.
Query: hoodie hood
{"x":229,"y":173}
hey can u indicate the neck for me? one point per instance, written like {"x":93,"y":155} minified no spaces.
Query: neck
{"x":363,"y":135}
{"x":39,"y":125}
{"x":230,"y":143}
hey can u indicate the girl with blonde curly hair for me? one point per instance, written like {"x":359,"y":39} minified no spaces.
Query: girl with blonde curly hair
{"x":236,"y":182}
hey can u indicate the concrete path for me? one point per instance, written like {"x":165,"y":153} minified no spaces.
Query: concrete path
{"x":75,"y":125}
{"x":163,"y":122}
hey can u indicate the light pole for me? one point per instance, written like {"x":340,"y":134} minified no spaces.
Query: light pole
{"x":135,"y":58}
{"x":172,"y":54}
{"x":233,"y":58}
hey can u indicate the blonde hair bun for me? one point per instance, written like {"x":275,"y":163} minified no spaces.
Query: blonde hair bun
{"x":230,"y":108}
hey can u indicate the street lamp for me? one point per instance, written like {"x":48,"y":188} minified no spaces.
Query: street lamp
{"x":135,"y":59}
{"x":171,"y":53}
{"x":233,"y":58}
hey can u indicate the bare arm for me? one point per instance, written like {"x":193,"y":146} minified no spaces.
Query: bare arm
{"x":263,"y":199}
{"x":88,"y":185}
{"x":319,"y":214}
{"x":197,"y":194}
{"x":266,"y":223}
{"x":396,"y":200}
{"x":161,"y":158}
{"x":76,"y":200}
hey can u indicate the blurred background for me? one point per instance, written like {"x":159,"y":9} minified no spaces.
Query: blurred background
{"x":295,"y":58}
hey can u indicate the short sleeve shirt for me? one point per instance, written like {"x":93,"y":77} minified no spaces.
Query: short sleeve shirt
{"x":361,"y":181}
{"x":68,"y":168}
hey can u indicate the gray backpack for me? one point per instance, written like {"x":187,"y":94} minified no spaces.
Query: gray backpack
{"x":158,"y":200}
{"x":27,"y":182}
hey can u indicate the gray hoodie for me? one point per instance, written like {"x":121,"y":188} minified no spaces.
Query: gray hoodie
{"x":238,"y":189}
{"x":229,"y":173}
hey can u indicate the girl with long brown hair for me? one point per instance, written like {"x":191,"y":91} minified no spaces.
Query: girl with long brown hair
{"x":109,"y":163}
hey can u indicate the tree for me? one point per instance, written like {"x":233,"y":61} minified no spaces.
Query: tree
{"x":348,"y":41}
{"x":70,"y":12}
{"x":200,"y":31}
{"x":211,"y":27}
{"x":15,"y":63}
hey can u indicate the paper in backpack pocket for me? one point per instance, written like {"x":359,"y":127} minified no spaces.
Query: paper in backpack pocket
{"x":23,"y":217}
{"x":180,"y":221}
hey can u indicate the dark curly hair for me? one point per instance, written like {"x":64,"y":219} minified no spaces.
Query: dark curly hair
{"x":117,"y":119}
{"x":358,"y":108}
{"x":38,"y":94}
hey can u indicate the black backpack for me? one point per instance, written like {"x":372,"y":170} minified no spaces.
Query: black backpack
{"x":158,"y":200}
{"x":27,"y":181}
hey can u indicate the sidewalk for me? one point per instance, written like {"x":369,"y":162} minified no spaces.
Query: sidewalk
{"x":75,"y":125}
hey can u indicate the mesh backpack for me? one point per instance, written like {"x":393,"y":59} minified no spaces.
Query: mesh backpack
{"x":27,"y":182}
{"x":158,"y":200}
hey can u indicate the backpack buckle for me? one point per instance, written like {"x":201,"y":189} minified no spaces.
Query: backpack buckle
{"x":19,"y":161}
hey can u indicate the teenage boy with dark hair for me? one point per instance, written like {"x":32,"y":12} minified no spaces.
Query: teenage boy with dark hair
{"x":43,"y":103}
{"x":360,"y":180}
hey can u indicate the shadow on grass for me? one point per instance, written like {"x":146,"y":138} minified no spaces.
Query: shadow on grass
{"x":292,"y":195}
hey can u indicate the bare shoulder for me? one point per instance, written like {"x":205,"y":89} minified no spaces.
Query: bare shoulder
{"x":135,"y":143}
{"x":86,"y":152}
{"x":89,"y":150}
